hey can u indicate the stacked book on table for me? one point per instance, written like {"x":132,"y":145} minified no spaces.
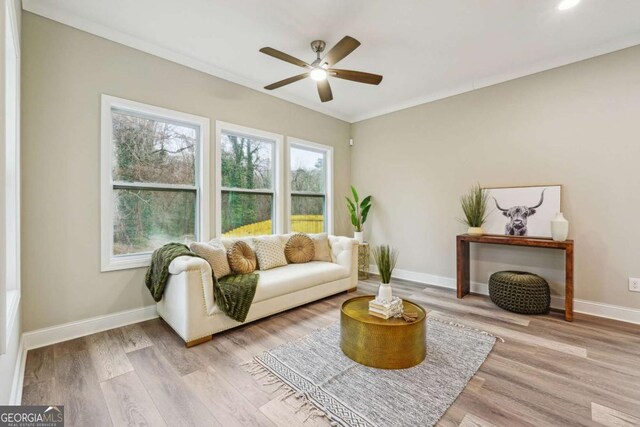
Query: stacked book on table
{"x":386,"y":309}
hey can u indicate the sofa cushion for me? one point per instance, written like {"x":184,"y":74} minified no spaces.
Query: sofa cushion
{"x":299,"y":249}
{"x":216,"y":256}
{"x":270,"y":252}
{"x":227,"y":242}
{"x":294,"y":277}
{"x":242,"y":258}
{"x":322,"y":250}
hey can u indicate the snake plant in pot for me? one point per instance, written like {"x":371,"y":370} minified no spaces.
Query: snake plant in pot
{"x":385,"y":257}
{"x":358,"y":209}
{"x":474,"y":206}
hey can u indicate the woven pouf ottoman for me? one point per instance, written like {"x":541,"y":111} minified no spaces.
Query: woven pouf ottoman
{"x":520,"y":292}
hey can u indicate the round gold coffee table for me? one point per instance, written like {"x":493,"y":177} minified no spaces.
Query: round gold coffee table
{"x":380,"y":343}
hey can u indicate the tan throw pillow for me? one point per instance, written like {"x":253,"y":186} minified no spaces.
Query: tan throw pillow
{"x":215,"y":256}
{"x":299,"y":249}
{"x":270,"y":252}
{"x":241,"y":257}
{"x":322,"y":250}
{"x":217,"y":243}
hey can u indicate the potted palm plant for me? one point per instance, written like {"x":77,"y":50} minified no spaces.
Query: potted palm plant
{"x":359,"y":209}
{"x":474,"y":206}
{"x":385,"y":257}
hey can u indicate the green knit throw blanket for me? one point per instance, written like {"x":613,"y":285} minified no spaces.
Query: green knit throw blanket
{"x":158,"y":271}
{"x":233,"y":294}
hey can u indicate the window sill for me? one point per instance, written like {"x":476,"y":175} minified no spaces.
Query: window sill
{"x":126,"y":263}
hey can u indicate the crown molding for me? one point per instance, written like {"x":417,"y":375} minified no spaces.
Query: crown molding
{"x":71,"y":20}
{"x":519,"y":72}
{"x":68,"y":18}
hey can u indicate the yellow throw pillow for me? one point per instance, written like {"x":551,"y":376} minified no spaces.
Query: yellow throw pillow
{"x":242,"y":259}
{"x":216,"y":256}
{"x":322,"y":250}
{"x":270,"y":252}
{"x":299,"y":249}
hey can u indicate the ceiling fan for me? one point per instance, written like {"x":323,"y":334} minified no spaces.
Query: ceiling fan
{"x":321,"y":68}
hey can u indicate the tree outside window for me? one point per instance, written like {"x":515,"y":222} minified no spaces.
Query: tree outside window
{"x":247,"y":170}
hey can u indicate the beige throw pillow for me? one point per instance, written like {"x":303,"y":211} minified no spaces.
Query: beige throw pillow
{"x":216,"y":256}
{"x":270,"y":252}
{"x":322,"y":250}
{"x":299,"y":249}
{"x":242,"y":259}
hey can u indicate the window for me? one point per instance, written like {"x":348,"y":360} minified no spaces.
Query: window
{"x":154,"y":180}
{"x":310,"y":186}
{"x":248,"y":177}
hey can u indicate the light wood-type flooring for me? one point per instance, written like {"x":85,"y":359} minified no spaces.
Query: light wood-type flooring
{"x":547,"y":372}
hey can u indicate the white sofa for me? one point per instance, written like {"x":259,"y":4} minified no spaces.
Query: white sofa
{"x":188,"y":304}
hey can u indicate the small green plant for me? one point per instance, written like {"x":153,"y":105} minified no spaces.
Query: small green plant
{"x":358,"y":209}
{"x":474,"y":205}
{"x":385,"y":257}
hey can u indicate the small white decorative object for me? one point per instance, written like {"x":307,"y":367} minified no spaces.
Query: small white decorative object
{"x":475,"y":231}
{"x":559,"y":228}
{"x":384,"y":292}
{"x":359,"y":236}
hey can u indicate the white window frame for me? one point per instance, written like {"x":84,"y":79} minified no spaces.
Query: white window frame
{"x":278,"y":188}
{"x":9,"y":167}
{"x":312,"y":146}
{"x":110,"y":262}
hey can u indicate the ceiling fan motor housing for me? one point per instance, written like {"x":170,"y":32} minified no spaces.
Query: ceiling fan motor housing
{"x":318,"y":46}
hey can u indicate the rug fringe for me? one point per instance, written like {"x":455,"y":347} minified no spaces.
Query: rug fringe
{"x":460,"y":325}
{"x":310,"y":409}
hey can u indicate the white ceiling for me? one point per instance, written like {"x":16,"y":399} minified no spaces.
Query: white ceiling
{"x":426,"y":49}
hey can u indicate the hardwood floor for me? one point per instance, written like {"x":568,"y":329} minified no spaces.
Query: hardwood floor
{"x":547,"y":372}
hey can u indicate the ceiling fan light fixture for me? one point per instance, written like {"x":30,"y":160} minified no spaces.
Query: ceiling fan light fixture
{"x":567,"y":4}
{"x":318,"y":74}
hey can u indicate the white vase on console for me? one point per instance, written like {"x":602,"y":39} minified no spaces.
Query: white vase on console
{"x":559,"y":228}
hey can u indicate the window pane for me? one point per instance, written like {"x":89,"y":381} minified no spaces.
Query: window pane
{"x":151,"y":150}
{"x":246,"y":162}
{"x":246,"y":214}
{"x":307,"y":214}
{"x":307,"y":170}
{"x":144,"y":220}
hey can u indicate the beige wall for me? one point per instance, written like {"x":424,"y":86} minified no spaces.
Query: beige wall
{"x":65,"y":71}
{"x":578,"y":126}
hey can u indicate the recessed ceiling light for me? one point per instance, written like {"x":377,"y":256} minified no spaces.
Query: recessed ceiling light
{"x":567,"y":4}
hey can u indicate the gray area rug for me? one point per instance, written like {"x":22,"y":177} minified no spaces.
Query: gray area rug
{"x":349,"y":394}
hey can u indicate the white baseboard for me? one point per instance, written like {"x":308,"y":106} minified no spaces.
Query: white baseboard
{"x":80,"y":328}
{"x":609,"y":311}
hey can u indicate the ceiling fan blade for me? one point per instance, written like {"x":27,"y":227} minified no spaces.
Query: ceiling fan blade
{"x":343,"y":48}
{"x":356,"y":76}
{"x":324,"y":90}
{"x":284,"y":57}
{"x":285,"y":82}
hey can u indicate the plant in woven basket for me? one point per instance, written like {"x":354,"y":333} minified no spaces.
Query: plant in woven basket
{"x":475,"y":204}
{"x":385,"y":257}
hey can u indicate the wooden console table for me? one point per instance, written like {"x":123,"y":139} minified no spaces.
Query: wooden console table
{"x":462,"y":244}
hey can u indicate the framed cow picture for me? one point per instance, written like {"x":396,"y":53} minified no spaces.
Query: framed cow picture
{"x":522,"y":211}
